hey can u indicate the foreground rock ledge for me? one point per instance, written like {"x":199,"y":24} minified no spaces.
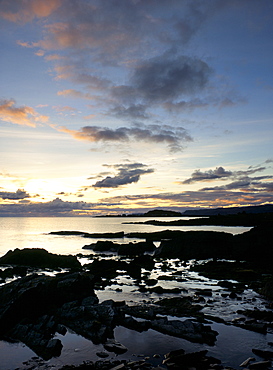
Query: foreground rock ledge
{"x":34,"y":308}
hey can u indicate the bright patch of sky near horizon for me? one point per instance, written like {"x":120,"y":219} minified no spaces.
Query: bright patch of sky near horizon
{"x":121,"y":106}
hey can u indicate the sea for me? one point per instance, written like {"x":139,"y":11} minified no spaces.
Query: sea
{"x":233,"y":344}
{"x":33,"y":232}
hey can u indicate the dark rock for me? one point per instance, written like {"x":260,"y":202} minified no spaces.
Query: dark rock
{"x":259,"y":365}
{"x":247,"y":362}
{"x":54,"y":346}
{"x":256,"y":245}
{"x":131,"y":323}
{"x":261,"y":315}
{"x":204,"y":292}
{"x":150,"y":282}
{"x":160,"y":290}
{"x":196,"y":244}
{"x":233,"y":295}
{"x":238,"y":287}
{"x":26,"y":302}
{"x":102,"y":246}
{"x":10,"y":272}
{"x":144,"y":261}
{"x":253,"y":326}
{"x":61,"y":329}
{"x":39,"y":258}
{"x":263,"y":353}
{"x":31,"y":296}
{"x":117,"y":235}
{"x":183,"y":360}
{"x":192,"y":331}
{"x":113,"y":346}
{"x":175,"y":353}
{"x":136,"y":249}
{"x":38,"y":336}
{"x":102,"y":354}
{"x":267,"y":289}
{"x":124,"y":249}
{"x":142,"y":311}
{"x":240,"y":271}
{"x":88,"y":235}
{"x":106,"y":268}
{"x":178,"y":306}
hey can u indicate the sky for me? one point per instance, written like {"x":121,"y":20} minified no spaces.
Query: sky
{"x":123,"y":106}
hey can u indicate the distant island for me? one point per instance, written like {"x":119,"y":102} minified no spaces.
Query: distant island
{"x":266,"y":208}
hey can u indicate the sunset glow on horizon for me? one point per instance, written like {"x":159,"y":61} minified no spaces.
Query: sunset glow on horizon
{"x":125,"y":106}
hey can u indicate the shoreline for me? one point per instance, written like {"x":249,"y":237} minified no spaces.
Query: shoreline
{"x":212,"y":292}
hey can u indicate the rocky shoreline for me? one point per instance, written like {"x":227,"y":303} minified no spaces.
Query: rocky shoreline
{"x":35,"y":307}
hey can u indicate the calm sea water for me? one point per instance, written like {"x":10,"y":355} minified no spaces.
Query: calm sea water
{"x":33,"y":232}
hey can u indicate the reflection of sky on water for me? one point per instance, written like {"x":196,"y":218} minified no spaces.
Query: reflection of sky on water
{"x":33,"y":232}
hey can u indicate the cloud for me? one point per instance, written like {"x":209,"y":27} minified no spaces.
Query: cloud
{"x":218,"y":173}
{"x":221,"y":173}
{"x":168,"y":80}
{"x":25,"y":116}
{"x":109,"y":58}
{"x":24,"y":11}
{"x":94,"y":25}
{"x":189,"y":199}
{"x":127,"y":174}
{"x":134,"y":111}
{"x":173,"y":136}
{"x":245,"y":183}
{"x":66,"y":109}
{"x":162,"y":79}
{"x":241,"y":182}
{"x":54,"y":208}
{"x":185,"y":105}
{"x":180,"y":201}
{"x":74,"y":93}
{"x":19,"y":194}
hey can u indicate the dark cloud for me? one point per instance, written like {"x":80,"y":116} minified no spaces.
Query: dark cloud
{"x":185,"y":105}
{"x":250,"y":171}
{"x":218,"y":173}
{"x":267,"y":186}
{"x":137,"y":112}
{"x":56,"y":207}
{"x":93,"y":82}
{"x":164,"y":79}
{"x":239,"y":184}
{"x":246,"y":183}
{"x":261,"y":194}
{"x":19,"y":194}
{"x":241,"y":180}
{"x":127,"y":174}
{"x":221,"y":173}
{"x":204,"y":199}
{"x":173,"y":136}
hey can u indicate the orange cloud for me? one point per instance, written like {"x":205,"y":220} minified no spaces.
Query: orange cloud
{"x":78,"y":135}
{"x":27,"y":10}
{"x":90,"y":116}
{"x":74,"y":93}
{"x":63,"y":72}
{"x":53,"y":57}
{"x":25,"y":116}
